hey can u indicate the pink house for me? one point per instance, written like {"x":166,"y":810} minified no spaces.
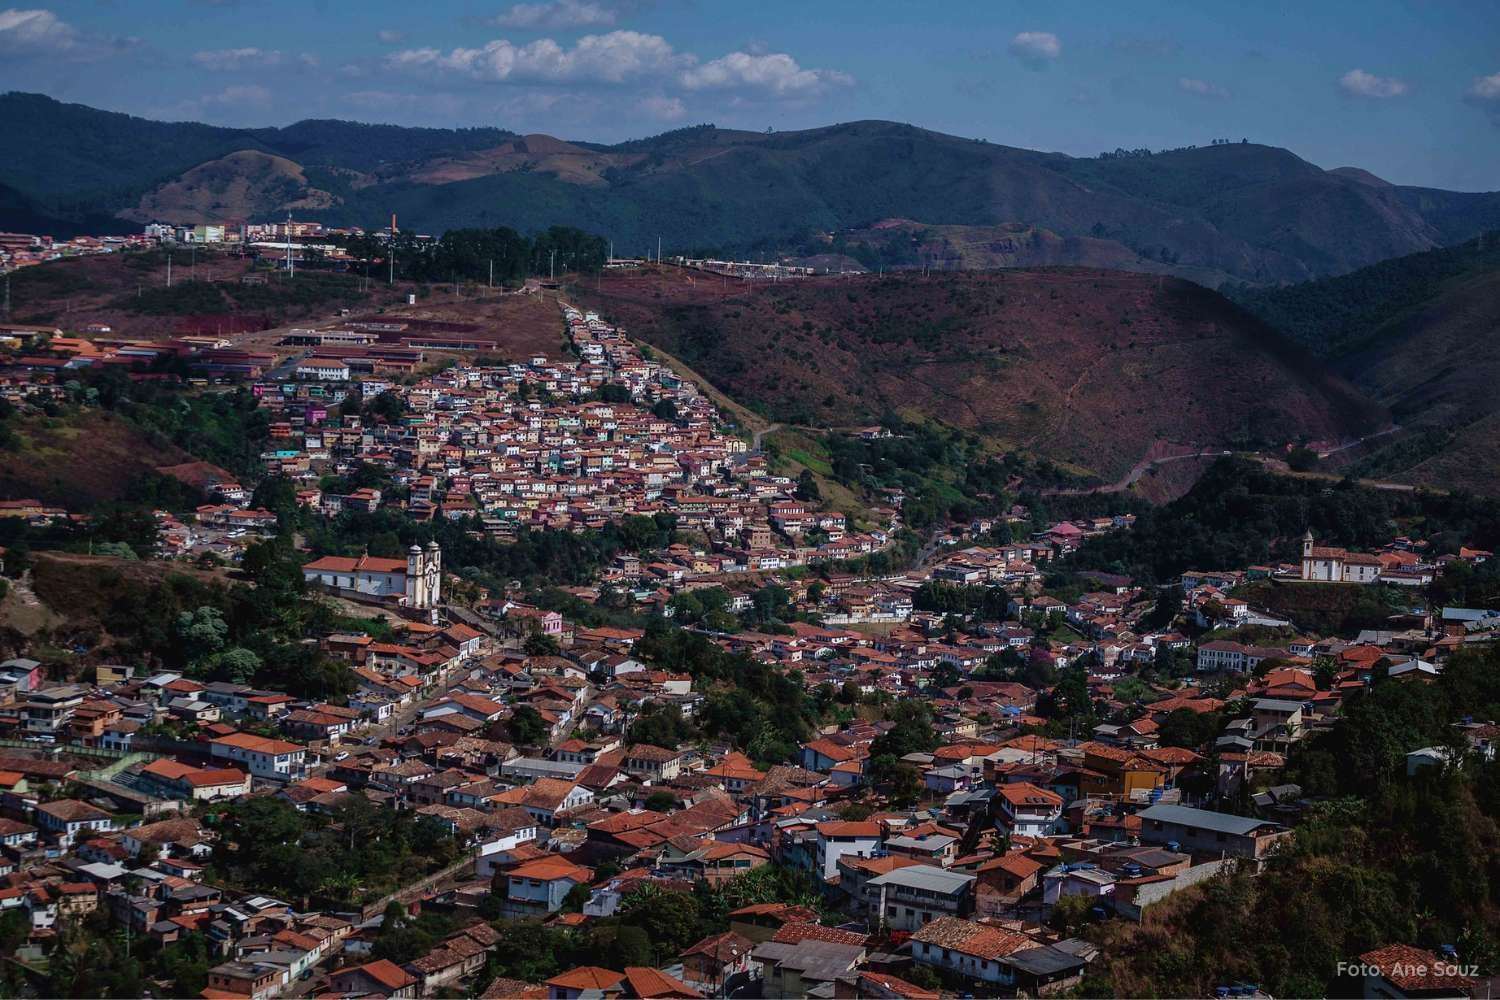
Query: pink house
{"x":546,"y":622}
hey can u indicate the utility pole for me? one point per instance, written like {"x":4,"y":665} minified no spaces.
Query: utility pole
{"x":658,"y":250}
{"x":492,"y":272}
{"x":169,"y":269}
{"x":7,"y":295}
{"x":552,"y":265}
{"x":290,"y":266}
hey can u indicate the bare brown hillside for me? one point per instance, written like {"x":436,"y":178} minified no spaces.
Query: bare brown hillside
{"x":81,"y":461}
{"x":243,"y":184}
{"x":1088,"y":367}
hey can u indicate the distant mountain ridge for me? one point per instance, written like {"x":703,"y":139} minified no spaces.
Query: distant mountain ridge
{"x":1241,"y":212}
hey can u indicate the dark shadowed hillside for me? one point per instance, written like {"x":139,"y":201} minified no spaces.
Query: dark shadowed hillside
{"x":1417,"y":333}
{"x":1089,"y":367}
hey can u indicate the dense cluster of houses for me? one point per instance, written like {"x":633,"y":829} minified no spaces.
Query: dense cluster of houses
{"x":1007,"y":823}
{"x":539,"y":444}
{"x":105,"y":786}
{"x":18,"y":250}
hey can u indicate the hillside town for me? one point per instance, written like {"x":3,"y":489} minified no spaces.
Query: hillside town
{"x":944,"y":826}
{"x":624,"y":500}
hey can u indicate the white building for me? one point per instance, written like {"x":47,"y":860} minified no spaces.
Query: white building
{"x":418,"y":581}
{"x":276,"y":760}
{"x":908,"y":898}
{"x":323,"y":370}
{"x":837,"y":838}
{"x":1324,"y":565}
{"x":1028,"y":810}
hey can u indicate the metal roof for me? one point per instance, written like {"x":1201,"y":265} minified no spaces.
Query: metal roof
{"x":927,"y":877}
{"x":1203,"y":819}
{"x":1043,"y":961}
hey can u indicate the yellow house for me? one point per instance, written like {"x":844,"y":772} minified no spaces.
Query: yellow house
{"x":1119,"y":772}
{"x":107,"y":674}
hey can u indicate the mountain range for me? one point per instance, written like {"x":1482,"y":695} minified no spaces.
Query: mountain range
{"x":1240,"y":212}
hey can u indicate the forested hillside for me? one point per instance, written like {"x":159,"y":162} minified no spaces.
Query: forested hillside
{"x":1418,"y":333}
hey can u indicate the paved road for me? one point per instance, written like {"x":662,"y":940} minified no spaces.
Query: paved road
{"x":1133,"y":476}
{"x":287,"y":368}
{"x":1359,"y":441}
{"x":772,"y":428}
{"x":1281,"y":468}
{"x":755,"y":442}
{"x":926,"y":552}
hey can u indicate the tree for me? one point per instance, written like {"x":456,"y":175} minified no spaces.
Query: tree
{"x":670,"y":919}
{"x":202,"y":630}
{"x":660,"y":725}
{"x":665,"y":409}
{"x":541,"y":644}
{"x":901,"y":782}
{"x":388,"y":406}
{"x":945,"y":675}
{"x":807,"y":487}
{"x":662,"y":801}
{"x":527,"y":727}
{"x":1168,"y":606}
{"x":237,"y":665}
{"x":279,"y":495}
{"x":118,"y":550}
{"x":913,"y":731}
{"x":1186,"y":728}
{"x":1129,"y":690}
{"x":15,"y":928}
{"x":528,"y":951}
{"x":577,"y":896}
{"x":1302,"y":459}
{"x":1070,"y":914}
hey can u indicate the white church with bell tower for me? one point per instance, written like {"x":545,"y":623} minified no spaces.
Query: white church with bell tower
{"x":424,"y":576}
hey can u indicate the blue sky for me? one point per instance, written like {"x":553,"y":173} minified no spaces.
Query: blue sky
{"x":1408,"y":90}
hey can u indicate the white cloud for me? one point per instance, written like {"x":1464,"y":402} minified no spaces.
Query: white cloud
{"x":1484,"y":93}
{"x":25,"y":32}
{"x":229,"y":103}
{"x":1361,"y":84}
{"x":560,"y":14}
{"x":608,"y":58}
{"x":774,"y":73}
{"x":390,"y":36}
{"x":1036,"y":48}
{"x":384,"y":104}
{"x":1485,"y":90}
{"x":667,"y":109}
{"x":1201,"y":88}
{"x":231,"y":60}
{"x":619,"y":57}
{"x":250,"y":95}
